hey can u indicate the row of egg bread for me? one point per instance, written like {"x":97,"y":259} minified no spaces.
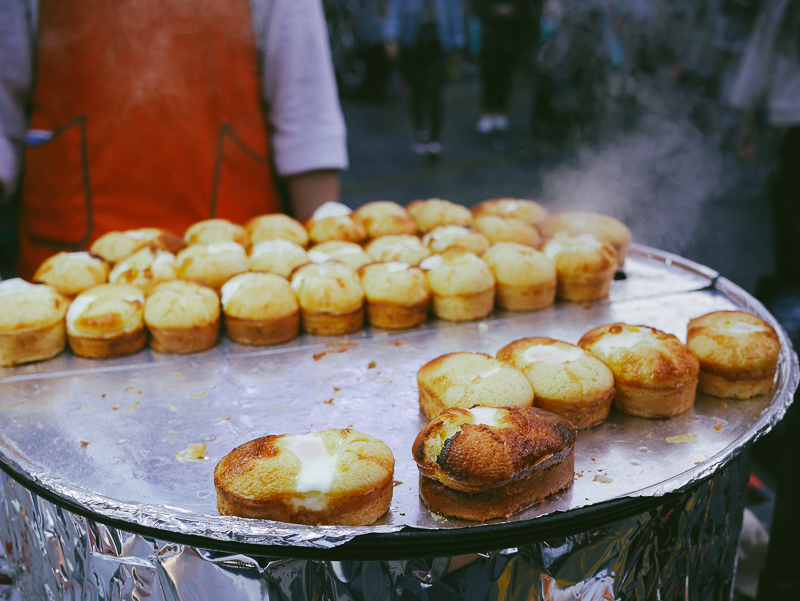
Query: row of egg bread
{"x":453,"y":271}
{"x":503,"y":430}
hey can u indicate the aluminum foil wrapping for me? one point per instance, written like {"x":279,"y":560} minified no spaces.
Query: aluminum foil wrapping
{"x":108,"y":439}
{"x":682,"y":549}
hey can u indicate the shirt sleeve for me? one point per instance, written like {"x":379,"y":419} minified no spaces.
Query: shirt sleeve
{"x":307,"y":128}
{"x":16,"y":65}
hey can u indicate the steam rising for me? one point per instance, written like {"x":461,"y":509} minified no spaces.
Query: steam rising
{"x":656,"y":179}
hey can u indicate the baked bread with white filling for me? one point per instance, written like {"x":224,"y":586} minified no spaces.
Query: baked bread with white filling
{"x":333,"y":477}
{"x":483,"y":463}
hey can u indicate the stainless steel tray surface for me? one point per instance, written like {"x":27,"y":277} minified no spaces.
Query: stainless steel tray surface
{"x":110,"y":435}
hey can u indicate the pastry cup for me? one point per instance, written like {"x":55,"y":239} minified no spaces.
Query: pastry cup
{"x":463,"y":307}
{"x":349,"y":510}
{"x":32,"y":344}
{"x":719,"y":386}
{"x":332,"y":324}
{"x":184,"y":340}
{"x":550,"y":477}
{"x":392,"y":316}
{"x":513,"y":297}
{"x":583,"y":414}
{"x":108,"y":347}
{"x":655,"y":403}
{"x":584,"y":290}
{"x":262,"y":331}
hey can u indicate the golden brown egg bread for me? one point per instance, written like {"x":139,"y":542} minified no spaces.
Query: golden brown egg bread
{"x":397,"y":294}
{"x":467,"y":379}
{"x":340,"y":477}
{"x":115,"y":246}
{"x":31,"y":322}
{"x":107,"y":321}
{"x":738,"y":354}
{"x":72,"y":273}
{"x":182,"y":316}
{"x":603,"y":227}
{"x":385,"y":218}
{"x":526,"y":278}
{"x":655,"y":374}
{"x":479,"y":463}
{"x":260,"y":308}
{"x":528,"y":211}
{"x":566,"y":380}
{"x":585,"y":266}
{"x":434,"y":212}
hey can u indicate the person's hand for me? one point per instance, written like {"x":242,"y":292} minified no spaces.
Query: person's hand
{"x":746,"y":146}
{"x":391,"y":48}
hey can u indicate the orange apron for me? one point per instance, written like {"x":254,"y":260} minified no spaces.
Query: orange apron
{"x":150,"y":114}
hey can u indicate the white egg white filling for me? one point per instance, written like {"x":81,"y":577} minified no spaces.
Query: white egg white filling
{"x":551,"y":354}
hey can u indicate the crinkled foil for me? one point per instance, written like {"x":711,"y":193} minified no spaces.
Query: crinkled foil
{"x":683,"y":549}
{"x":109,"y":436}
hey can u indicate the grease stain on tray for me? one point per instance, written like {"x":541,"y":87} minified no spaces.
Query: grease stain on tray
{"x":197,"y":395}
{"x":603,"y":479}
{"x":690,"y":438}
{"x":194,"y":452}
{"x":718,"y":427}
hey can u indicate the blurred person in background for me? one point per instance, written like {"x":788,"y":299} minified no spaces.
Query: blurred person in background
{"x":372,"y":49}
{"x":770,"y":75}
{"x":509,"y":28}
{"x":162,"y":113}
{"x":426,"y":34}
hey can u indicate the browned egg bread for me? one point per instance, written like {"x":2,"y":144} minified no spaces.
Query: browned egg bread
{"x":260,"y":308}
{"x":278,"y":256}
{"x":566,"y":380}
{"x":216,"y":230}
{"x":72,"y":273}
{"x":276,"y":227}
{"x":603,"y":227}
{"x":212,"y":264}
{"x":443,"y":237}
{"x":498,"y":229}
{"x":386,"y":218}
{"x":340,"y":477}
{"x":738,"y":354}
{"x":335,"y":221}
{"x":484,"y":463}
{"x":461,"y":283}
{"x":31,"y":322}
{"x":115,"y":246}
{"x":585,"y":266}
{"x":144,"y":269}
{"x":435,"y":212}
{"x":512,"y":208}
{"x":107,"y":321}
{"x":525,"y":277}
{"x":655,"y":375}
{"x":404,"y":248}
{"x":397,"y":294}
{"x":330,"y":296}
{"x":468,"y":379}
{"x":349,"y":253}
{"x":182,"y":316}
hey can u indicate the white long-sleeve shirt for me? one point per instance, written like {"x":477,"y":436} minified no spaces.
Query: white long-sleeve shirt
{"x":307,"y":129}
{"x":768,"y":75}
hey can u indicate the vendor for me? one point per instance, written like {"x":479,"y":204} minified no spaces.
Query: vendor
{"x":163,"y":113}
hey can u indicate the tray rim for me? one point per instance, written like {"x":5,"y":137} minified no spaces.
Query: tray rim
{"x":307,"y":537}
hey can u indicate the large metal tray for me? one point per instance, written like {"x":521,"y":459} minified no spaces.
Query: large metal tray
{"x":103,"y":436}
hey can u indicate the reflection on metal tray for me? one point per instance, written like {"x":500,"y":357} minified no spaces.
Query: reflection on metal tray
{"x":104,"y":435}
